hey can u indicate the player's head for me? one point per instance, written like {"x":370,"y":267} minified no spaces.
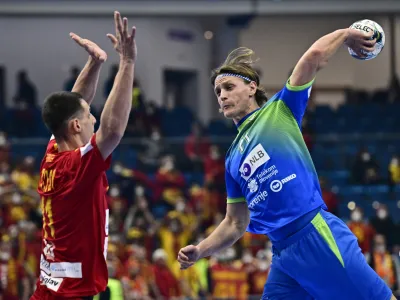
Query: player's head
{"x":68,"y":117}
{"x":236,"y":85}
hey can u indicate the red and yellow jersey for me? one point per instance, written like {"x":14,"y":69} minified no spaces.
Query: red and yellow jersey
{"x":73,"y":188}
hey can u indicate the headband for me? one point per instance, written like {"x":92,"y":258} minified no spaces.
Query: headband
{"x":234,"y":75}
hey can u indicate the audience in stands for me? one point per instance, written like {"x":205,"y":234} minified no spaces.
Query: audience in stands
{"x":362,"y":230}
{"x":365,"y":169}
{"x":26,"y":94}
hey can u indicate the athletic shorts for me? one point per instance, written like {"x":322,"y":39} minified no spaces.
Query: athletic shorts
{"x":322,"y":261}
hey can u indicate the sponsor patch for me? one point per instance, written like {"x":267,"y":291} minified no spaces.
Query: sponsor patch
{"x":256,"y":158}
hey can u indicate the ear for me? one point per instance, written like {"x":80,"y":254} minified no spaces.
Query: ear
{"x":75,"y":126}
{"x":253,"y":88}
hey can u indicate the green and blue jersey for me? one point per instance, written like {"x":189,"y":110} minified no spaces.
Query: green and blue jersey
{"x":268,"y":164}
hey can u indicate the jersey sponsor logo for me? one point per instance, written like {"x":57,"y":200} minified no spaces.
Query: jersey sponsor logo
{"x":266,"y":174}
{"x":66,"y":270}
{"x":277,"y":185}
{"x":256,"y":158}
{"x":262,"y":196}
{"x":49,"y":250}
{"x":253,"y":185}
{"x":51,"y":283}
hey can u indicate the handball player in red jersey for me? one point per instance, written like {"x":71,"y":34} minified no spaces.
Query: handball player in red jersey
{"x":73,"y":182}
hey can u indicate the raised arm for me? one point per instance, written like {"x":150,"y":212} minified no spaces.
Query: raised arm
{"x":86,"y":83}
{"x":114,"y":118}
{"x":323,"y":49}
{"x":225,"y":235}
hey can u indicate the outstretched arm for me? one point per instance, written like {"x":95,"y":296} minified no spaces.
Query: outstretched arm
{"x":323,"y":49}
{"x":86,"y":83}
{"x":115,"y":115}
{"x":225,"y":235}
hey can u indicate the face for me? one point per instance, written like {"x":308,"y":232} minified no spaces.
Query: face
{"x":235,"y":97}
{"x":84,"y":124}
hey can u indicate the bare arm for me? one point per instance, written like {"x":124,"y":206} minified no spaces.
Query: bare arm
{"x":323,"y":49}
{"x":225,"y":235}
{"x":114,"y":118}
{"x":86,"y":83}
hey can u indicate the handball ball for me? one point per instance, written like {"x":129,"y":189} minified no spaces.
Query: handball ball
{"x":379,"y":34}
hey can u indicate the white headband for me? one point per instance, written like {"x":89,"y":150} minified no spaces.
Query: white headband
{"x":234,"y":75}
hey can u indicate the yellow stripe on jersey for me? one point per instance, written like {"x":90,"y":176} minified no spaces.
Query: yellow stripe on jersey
{"x":235,"y":200}
{"x":324,"y":230}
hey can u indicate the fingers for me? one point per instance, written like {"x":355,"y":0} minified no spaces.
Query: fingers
{"x":133,"y":33}
{"x":125,"y":30}
{"x":369,"y":43}
{"x":113,"y":39}
{"x":77,"y":39}
{"x":182,"y":257}
{"x":118,"y":23}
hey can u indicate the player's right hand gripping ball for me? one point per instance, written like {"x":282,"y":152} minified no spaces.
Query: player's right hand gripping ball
{"x":379,"y":34}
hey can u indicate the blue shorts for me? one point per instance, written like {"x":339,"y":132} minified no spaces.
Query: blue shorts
{"x":322,"y":261}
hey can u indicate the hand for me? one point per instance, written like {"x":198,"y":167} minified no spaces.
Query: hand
{"x":93,"y":49}
{"x":360,"y":42}
{"x":187,"y":256}
{"x":123,"y":43}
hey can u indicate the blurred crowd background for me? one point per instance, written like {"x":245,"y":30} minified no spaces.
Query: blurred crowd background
{"x":166,"y":184}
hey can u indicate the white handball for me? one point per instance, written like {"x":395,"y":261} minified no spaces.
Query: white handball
{"x":379,"y":34}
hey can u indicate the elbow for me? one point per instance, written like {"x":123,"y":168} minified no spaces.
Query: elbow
{"x":240,"y":225}
{"x":316,"y":57}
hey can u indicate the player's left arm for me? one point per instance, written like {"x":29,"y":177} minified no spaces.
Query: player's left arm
{"x":318,"y":55}
{"x":86,"y":83}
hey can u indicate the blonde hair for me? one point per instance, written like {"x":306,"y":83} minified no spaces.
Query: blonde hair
{"x":240,"y":62}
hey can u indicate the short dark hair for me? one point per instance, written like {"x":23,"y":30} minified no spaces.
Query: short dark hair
{"x":58,"y":109}
{"x":240,"y":62}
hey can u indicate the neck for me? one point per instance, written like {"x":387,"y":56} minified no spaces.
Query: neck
{"x":252,"y":107}
{"x":69,"y":144}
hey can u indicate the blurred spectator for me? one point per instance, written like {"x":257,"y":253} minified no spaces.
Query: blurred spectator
{"x":14,"y":281}
{"x":137,"y":97}
{"x":135,"y":285}
{"x":259,"y":276}
{"x":382,"y":262}
{"x":118,"y":210}
{"x":214,"y":168}
{"x":114,"y":290}
{"x":153,"y":149}
{"x":362,"y":230}
{"x":25,"y":176}
{"x":4,"y":148}
{"x":329,"y":197}
{"x":73,"y":76}
{"x":169,"y":181}
{"x":173,"y":236}
{"x":365,"y":169}
{"x":227,"y":279}
{"x":146,"y":270}
{"x":110,"y":80}
{"x":165,"y":280}
{"x":197,"y":146}
{"x":26,"y":90}
{"x":394,"y":170}
{"x":384,"y":224}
